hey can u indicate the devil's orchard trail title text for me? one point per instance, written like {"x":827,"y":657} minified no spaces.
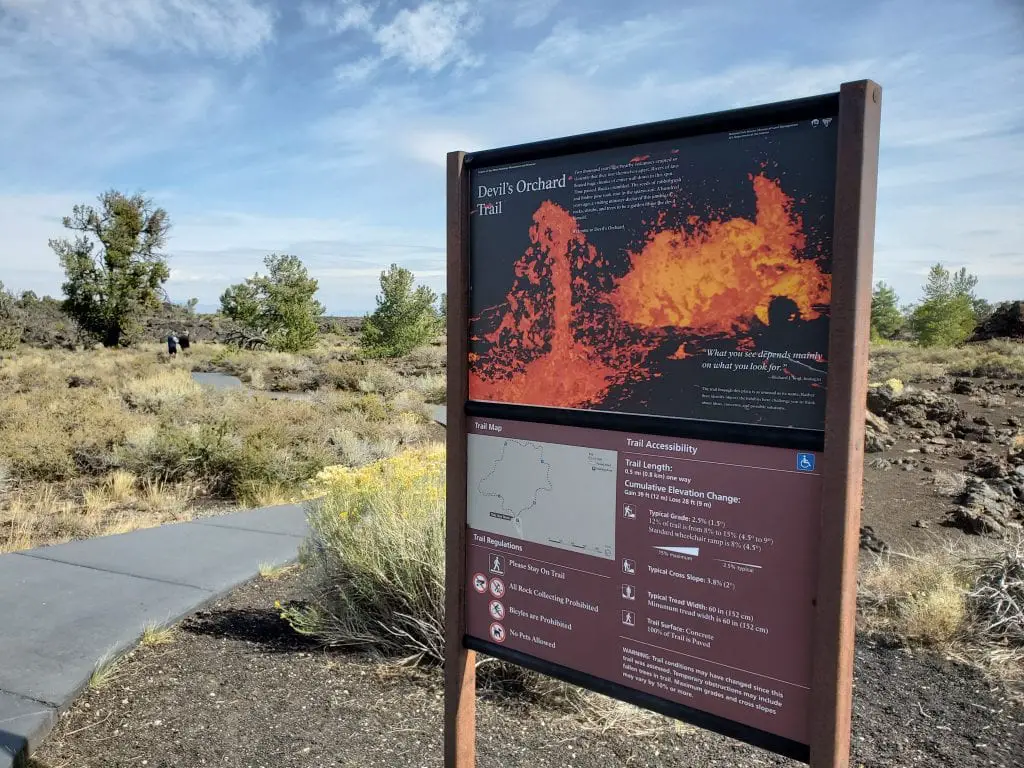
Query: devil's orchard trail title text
{"x":508,"y":188}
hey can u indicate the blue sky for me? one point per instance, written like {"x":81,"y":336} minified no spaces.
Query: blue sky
{"x":319,"y":127}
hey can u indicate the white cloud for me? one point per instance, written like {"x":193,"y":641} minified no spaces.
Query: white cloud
{"x":432,"y":146}
{"x":338,"y":16}
{"x":353,"y":15}
{"x":358,"y":71}
{"x":228,"y":27}
{"x":429,"y":37}
{"x":530,"y":13}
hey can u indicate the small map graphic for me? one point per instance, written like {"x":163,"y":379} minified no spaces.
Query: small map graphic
{"x":533,"y":479}
{"x":559,"y":495}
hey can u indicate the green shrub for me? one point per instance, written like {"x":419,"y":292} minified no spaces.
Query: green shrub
{"x":886,"y":318}
{"x":946,"y":316}
{"x":10,"y":327}
{"x":405,"y":316}
{"x":374,"y":407}
{"x":279,"y":309}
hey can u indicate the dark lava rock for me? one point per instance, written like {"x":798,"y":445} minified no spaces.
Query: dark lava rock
{"x":875,"y":442}
{"x":911,"y":415}
{"x":1006,"y":322}
{"x":988,"y":467}
{"x":963,"y":387}
{"x":914,"y":407}
{"x":876,"y":434}
{"x":966,"y":430}
{"x":881,"y":399}
{"x":987,"y":508}
{"x":939,"y":408}
{"x":870,"y":541}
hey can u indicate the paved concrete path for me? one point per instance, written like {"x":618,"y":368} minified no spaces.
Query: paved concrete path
{"x":63,"y":608}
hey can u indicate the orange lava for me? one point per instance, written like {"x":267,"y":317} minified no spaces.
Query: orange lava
{"x":536,"y":356}
{"x":680,"y":354}
{"x":723,"y":274}
{"x":568,"y":330}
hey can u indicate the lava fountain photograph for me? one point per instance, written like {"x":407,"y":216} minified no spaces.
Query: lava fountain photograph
{"x":687,"y":280}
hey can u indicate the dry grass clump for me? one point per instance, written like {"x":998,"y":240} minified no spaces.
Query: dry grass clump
{"x":966,"y":600}
{"x":996,"y":600}
{"x":106,"y":441}
{"x":42,"y":514}
{"x":919,"y":598}
{"x":951,"y":484}
{"x":430,"y":357}
{"x":169,"y":390}
{"x":106,"y":671}
{"x":433,"y":387}
{"x":379,"y":378}
{"x":997,"y":358}
{"x":154,"y":634}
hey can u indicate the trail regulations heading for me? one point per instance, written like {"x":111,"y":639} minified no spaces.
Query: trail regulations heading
{"x":686,"y":278}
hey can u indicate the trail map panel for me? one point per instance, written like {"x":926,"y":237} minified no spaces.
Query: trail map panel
{"x":687,"y":278}
{"x":561,"y":496}
{"x":707,"y":598}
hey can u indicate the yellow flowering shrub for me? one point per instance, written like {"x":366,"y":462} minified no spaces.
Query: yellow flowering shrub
{"x":402,"y":484}
{"x":375,"y":556}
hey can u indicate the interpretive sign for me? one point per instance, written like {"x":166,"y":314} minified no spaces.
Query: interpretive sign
{"x":657,"y":361}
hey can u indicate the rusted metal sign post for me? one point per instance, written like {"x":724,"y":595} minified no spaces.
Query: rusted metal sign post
{"x":657,"y":357}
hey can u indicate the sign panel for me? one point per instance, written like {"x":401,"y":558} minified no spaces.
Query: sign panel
{"x":687,"y":278}
{"x":657,"y":369}
{"x":672,"y":567}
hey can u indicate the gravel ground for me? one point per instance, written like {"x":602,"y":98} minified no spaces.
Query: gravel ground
{"x":237,"y":689}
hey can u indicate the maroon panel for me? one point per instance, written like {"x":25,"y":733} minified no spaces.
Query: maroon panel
{"x":707,"y":600}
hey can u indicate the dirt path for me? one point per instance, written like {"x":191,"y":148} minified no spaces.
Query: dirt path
{"x":237,"y":689}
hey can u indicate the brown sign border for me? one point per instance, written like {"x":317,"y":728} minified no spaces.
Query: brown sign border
{"x":842,"y":469}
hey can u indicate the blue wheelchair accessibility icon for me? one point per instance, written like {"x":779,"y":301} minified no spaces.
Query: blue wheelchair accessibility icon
{"x":805,"y":462}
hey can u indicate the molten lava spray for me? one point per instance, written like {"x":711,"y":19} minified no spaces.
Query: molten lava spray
{"x":723,"y":274}
{"x":536,"y":356}
{"x":567,"y":332}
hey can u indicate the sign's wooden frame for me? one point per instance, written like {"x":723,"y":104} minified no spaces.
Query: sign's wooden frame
{"x":842,"y":470}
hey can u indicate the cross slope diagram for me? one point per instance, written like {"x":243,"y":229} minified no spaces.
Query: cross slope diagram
{"x":558,"y":495}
